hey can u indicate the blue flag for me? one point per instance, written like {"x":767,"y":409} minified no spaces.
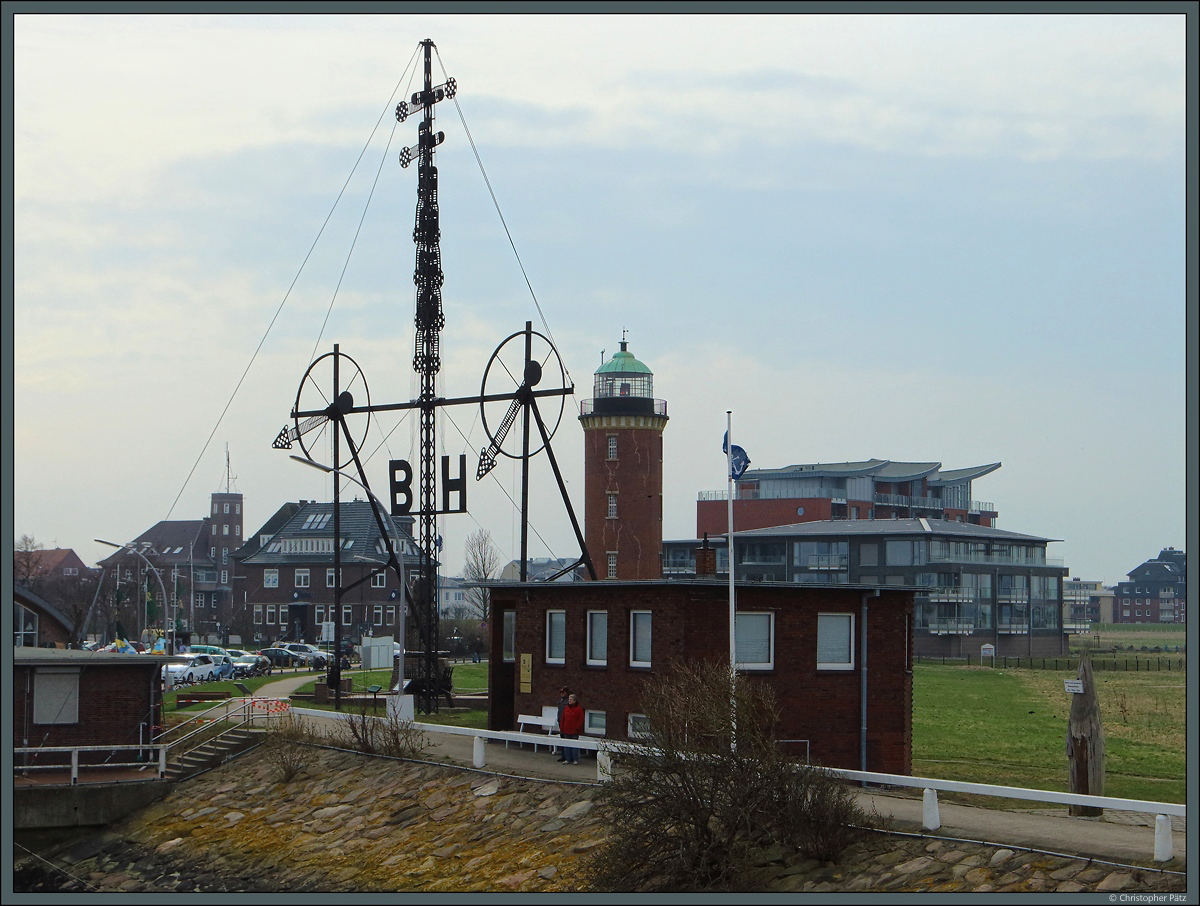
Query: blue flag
{"x":741,"y":462}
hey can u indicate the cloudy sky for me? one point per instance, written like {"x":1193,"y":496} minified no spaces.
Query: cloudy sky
{"x":922,"y":238}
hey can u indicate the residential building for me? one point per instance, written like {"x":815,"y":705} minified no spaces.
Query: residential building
{"x":63,"y":583}
{"x":37,"y":623}
{"x":973,"y":584}
{"x":1082,"y":603}
{"x":870,"y":489}
{"x":1155,"y":592}
{"x":286,"y":580}
{"x":192,"y":560}
{"x":542,"y":569}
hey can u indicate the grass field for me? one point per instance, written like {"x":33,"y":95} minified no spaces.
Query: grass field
{"x":1009,"y":727}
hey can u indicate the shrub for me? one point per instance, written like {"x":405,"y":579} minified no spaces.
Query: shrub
{"x":373,"y":735}
{"x":288,"y":747}
{"x":710,"y":790}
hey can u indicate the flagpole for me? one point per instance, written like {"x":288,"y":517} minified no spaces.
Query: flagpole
{"x":732,"y":598}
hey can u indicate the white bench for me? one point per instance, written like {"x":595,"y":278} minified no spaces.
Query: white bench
{"x":547,"y":720}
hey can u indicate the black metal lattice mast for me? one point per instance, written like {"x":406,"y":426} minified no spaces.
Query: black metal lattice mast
{"x":427,"y":362}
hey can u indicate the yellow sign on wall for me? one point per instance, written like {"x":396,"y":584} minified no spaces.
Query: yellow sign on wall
{"x":526,"y":673}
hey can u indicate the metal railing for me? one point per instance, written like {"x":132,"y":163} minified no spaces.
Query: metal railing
{"x":155,"y":750}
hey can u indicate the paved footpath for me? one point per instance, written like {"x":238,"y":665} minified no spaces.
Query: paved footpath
{"x":1122,"y":837}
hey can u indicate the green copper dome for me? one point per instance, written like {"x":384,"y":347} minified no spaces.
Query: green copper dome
{"x":623,"y":362}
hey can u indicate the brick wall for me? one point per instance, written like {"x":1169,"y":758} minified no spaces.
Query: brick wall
{"x":690,"y":622}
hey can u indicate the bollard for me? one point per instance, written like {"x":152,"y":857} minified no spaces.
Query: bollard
{"x":477,"y":758}
{"x":930,"y":819}
{"x":1163,"y":848}
{"x":603,"y":766}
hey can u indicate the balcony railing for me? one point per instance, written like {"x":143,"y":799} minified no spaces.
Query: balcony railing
{"x":995,"y":559}
{"x":952,"y":627}
{"x":924,"y":503}
{"x":623,"y":405}
{"x":981,"y":506}
{"x":828,"y":561}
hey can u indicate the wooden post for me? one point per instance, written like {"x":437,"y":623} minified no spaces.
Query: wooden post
{"x":1085,"y":743}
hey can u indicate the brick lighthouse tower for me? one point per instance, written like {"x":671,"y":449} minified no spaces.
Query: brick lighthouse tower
{"x":622,"y":464}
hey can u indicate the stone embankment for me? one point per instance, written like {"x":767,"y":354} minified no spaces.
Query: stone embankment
{"x":349,"y":822}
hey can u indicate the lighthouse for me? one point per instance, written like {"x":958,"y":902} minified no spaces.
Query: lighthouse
{"x":623,"y":467}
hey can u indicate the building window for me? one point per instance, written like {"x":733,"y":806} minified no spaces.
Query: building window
{"x":224,"y":555}
{"x":508,"y":644}
{"x":270,"y":578}
{"x":226,"y":508}
{"x":199,"y":599}
{"x":270,"y":614}
{"x":347,"y":614}
{"x":302,"y":578}
{"x":755,"y":639}
{"x":391,"y":615}
{"x":214,"y":509}
{"x":56,"y":695}
{"x":612,"y":446}
{"x":637,"y":727}
{"x":330,"y":579}
{"x":379,"y":580}
{"x":237,"y":509}
{"x":556,"y":636}
{"x":26,"y":625}
{"x":612,"y":565}
{"x":225,"y":530}
{"x":835,"y":641}
{"x":320,"y":613}
{"x":593,"y":722}
{"x":224,"y":577}
{"x":212,"y":552}
{"x":377,"y":613}
{"x":237,"y":530}
{"x":639,"y":638}
{"x":214,"y":528}
{"x":868,"y":555}
{"x":612,"y":506}
{"x":258,"y":614}
{"x":597,"y":638}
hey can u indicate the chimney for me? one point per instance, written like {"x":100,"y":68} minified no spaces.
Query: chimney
{"x":706,"y":560}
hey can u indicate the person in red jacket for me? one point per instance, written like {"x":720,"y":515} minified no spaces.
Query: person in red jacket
{"x":570,"y":725}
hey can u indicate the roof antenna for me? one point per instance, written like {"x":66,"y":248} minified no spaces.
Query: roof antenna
{"x":229,"y":476}
{"x":624,"y":330}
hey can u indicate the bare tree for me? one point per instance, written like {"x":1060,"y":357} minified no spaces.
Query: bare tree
{"x":482,"y":562}
{"x":691,"y":810}
{"x":27,"y":561}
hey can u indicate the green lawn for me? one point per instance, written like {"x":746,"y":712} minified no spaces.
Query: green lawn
{"x":1008,"y":727}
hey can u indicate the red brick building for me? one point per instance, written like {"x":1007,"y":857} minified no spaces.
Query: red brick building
{"x":606,"y":639}
{"x":83,"y":698}
{"x":623,"y":459}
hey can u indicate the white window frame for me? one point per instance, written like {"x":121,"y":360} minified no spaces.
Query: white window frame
{"x":633,"y":624}
{"x":330,"y":578}
{"x":642,"y":732}
{"x":224,"y":577}
{"x":226,"y":508}
{"x":612,"y":506}
{"x":831,"y":619}
{"x":602,"y":639}
{"x":594,"y":723}
{"x":755,"y":616}
{"x":553,"y":616}
{"x":270,"y":578}
{"x":377,"y":615}
{"x":258,"y":614}
{"x":225,"y":530}
{"x":379,"y":580}
{"x":612,"y":447}
{"x":199,"y":599}
{"x":56,"y":695}
{"x":347,"y":614}
{"x":612,"y":565}
{"x":319,"y":613}
{"x":302,"y":577}
{"x":391,"y":615}
{"x":270,"y":615}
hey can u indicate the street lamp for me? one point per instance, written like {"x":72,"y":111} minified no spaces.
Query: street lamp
{"x":129,"y":547}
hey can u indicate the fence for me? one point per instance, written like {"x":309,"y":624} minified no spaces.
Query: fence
{"x":1099,"y":664}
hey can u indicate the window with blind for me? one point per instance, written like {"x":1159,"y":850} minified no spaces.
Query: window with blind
{"x":755,"y":640}
{"x":597,"y":638}
{"x":508,"y":644}
{"x":56,"y":695}
{"x":835,"y":641}
{"x":639,"y":638}
{"x":556,"y":636}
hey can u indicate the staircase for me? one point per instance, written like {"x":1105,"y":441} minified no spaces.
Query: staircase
{"x":212,"y":753}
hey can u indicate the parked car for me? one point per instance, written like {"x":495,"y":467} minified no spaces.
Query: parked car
{"x":282,"y":657}
{"x":251,"y":665}
{"x":313,"y":656}
{"x":191,"y":668}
